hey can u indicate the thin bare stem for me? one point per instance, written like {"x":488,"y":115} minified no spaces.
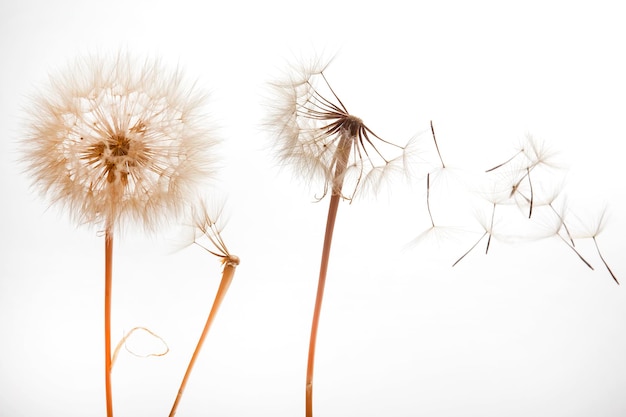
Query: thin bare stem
{"x":505,"y":162}
{"x":432,"y":129}
{"x":490,"y":231}
{"x":569,"y":235}
{"x":432,"y":222}
{"x":575,"y":251}
{"x":342,"y":156}
{"x":333,"y":91}
{"x":470,"y":249}
{"x":108,"y":280}
{"x":603,"y":261}
{"x":530,"y":184}
{"x":230,"y":263}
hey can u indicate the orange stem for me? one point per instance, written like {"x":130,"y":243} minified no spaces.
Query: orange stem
{"x":108,"y":280}
{"x":227,"y":277}
{"x":330,"y":225}
{"x":342,"y":155}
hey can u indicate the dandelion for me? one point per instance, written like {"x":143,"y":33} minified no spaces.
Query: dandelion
{"x":316,"y":134}
{"x":116,"y":141}
{"x":210,"y":231}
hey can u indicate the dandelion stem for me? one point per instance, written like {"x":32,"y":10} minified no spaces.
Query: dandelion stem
{"x":228,"y":273}
{"x":342,"y":155}
{"x":108,"y":280}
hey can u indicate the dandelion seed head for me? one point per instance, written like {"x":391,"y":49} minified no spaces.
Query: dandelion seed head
{"x":116,"y":140}
{"x":317,"y":135}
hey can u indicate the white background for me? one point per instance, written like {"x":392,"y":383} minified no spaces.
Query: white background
{"x":525,"y":330}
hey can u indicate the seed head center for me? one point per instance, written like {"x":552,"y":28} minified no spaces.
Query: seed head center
{"x":114,"y":156}
{"x":119,"y":145}
{"x":352,"y":124}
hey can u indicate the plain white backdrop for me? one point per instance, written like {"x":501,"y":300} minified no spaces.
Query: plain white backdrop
{"x":525,"y":330}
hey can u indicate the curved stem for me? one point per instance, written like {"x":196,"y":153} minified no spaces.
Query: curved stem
{"x":330,"y":224}
{"x":227,"y":277}
{"x":108,"y":280}
{"x":342,"y":155}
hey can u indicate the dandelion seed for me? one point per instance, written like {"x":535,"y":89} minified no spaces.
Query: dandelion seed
{"x":472,"y":248}
{"x":557,"y":222}
{"x":438,"y":173}
{"x":592,"y":230}
{"x":535,"y":153}
{"x":596,"y":231}
{"x":560,"y":214}
{"x":595,"y":241}
{"x":435,"y":236}
{"x":532,"y":155}
{"x":316,"y":133}
{"x":488,"y":227}
{"x":115,"y":142}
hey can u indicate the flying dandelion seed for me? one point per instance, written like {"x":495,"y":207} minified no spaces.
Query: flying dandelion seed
{"x":538,"y":194}
{"x":115,"y":141}
{"x":440,"y":176}
{"x":531,"y":157}
{"x":487,"y":225}
{"x":591,"y":230}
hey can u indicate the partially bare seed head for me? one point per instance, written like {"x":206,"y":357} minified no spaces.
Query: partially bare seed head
{"x":315,"y":132}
